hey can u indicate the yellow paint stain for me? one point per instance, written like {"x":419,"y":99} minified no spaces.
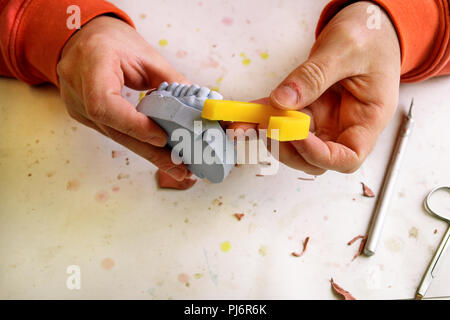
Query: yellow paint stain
{"x":242,"y":54}
{"x":263,"y":251}
{"x":264,"y":55}
{"x":198,"y":275}
{"x":163,"y":42}
{"x":216,"y":89}
{"x":197,"y":29}
{"x":225,"y":246}
{"x":141,"y":96}
{"x":219,"y":80}
{"x":246,"y":62}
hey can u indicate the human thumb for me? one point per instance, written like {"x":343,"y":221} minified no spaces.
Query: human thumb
{"x":306,"y":83}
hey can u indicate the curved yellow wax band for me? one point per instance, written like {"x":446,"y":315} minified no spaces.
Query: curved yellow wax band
{"x":292,"y":125}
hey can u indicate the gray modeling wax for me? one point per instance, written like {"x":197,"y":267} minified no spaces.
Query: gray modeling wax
{"x":178,"y":106}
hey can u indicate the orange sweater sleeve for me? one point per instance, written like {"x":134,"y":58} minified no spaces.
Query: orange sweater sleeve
{"x":34,"y":32}
{"x":423,"y":29}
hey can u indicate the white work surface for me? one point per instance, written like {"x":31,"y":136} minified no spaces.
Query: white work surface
{"x":65,"y":201}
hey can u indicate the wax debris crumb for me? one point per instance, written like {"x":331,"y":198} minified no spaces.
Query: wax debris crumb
{"x":73,"y":185}
{"x":306,"y":179}
{"x":435,"y":231}
{"x":305,"y":245}
{"x":116,"y":153}
{"x":413,"y":232}
{"x":121,"y":176}
{"x":259,"y":175}
{"x":340,"y":291}
{"x":361,"y":246}
{"x":367,"y":192}
{"x":239,"y":216}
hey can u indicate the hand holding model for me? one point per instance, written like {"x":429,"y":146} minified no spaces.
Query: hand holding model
{"x":349,"y":85}
{"x":96,"y":63}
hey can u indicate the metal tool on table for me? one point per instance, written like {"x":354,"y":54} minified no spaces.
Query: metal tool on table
{"x":432,"y":270}
{"x":390,"y":178}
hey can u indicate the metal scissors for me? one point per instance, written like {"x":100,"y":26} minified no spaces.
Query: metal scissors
{"x":432,"y":270}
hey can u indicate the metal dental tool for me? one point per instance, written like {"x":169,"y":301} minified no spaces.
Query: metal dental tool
{"x":390,"y":178}
{"x":432,"y":270}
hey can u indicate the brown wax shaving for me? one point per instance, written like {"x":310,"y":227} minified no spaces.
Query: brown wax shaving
{"x":239,"y":216}
{"x":361,"y":246}
{"x":259,"y":175}
{"x":165,"y":181}
{"x":305,"y":245}
{"x":367,"y":192}
{"x":306,"y":179}
{"x":340,"y":291}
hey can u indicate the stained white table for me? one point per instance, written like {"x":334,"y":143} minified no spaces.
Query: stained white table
{"x":65,"y":201}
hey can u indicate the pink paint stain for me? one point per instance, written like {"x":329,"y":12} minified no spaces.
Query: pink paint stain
{"x":107,"y":264}
{"x":210,"y":63}
{"x":183,"y":278}
{"x":115,"y":188}
{"x":227,"y":21}
{"x":102,"y":196}
{"x":181,"y":54}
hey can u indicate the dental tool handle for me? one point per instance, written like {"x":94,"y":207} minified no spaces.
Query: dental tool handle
{"x":387,"y":188}
{"x":432,"y":270}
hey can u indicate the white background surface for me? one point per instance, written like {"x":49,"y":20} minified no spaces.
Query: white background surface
{"x":67,"y":212}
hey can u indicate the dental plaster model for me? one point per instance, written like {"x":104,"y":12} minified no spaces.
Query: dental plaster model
{"x":177,"y":106}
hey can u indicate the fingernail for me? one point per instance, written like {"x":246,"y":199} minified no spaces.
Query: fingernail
{"x":177,"y":173}
{"x":285,"y":96}
{"x":158,"y":141}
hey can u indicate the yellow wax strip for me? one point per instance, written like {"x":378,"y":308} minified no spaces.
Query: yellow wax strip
{"x":291,"y":125}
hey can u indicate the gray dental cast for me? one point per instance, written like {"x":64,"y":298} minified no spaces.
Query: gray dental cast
{"x":178,"y":106}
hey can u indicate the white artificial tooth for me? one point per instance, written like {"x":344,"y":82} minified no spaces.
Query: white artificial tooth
{"x":203,"y":92}
{"x":177,"y":91}
{"x":163,"y":86}
{"x":184,"y":91}
{"x":215,"y":95}
{"x":172,"y":87}
{"x":193,"y":90}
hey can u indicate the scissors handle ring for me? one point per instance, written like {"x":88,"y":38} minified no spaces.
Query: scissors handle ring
{"x":426,"y":202}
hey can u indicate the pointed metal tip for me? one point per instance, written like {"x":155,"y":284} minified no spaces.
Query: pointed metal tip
{"x":410,"y":108}
{"x":419,"y":296}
